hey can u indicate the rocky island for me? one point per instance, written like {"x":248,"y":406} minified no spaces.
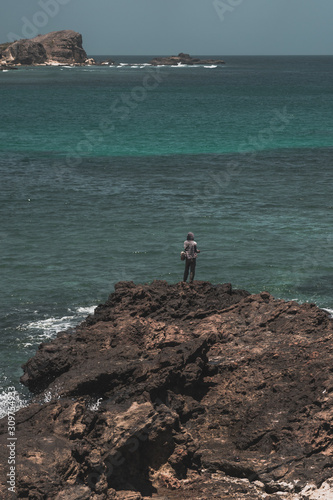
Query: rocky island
{"x":65,"y":48}
{"x":183,"y":59}
{"x":177,"y":391}
{"x":58,"y":47}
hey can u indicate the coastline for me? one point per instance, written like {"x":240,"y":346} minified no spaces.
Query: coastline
{"x":228,"y":383}
{"x":260,"y":206}
{"x":65,"y":47}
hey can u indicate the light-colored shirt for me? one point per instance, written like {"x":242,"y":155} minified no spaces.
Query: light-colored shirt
{"x":190,"y":248}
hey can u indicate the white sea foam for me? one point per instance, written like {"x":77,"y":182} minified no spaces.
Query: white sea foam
{"x":181,"y":65}
{"x":133,"y":65}
{"x":37,"y":332}
{"x":43,"y":329}
{"x":212,"y":66}
{"x":93,"y":406}
{"x":19,"y":402}
{"x":51,"y":395}
{"x":86,"y":310}
{"x":47,"y":327}
{"x":330,"y":311}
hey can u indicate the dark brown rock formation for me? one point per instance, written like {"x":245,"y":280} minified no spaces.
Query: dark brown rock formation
{"x":25,"y":52}
{"x":58,"y":47}
{"x":180,"y":392}
{"x":183,"y":59}
{"x":3,"y":47}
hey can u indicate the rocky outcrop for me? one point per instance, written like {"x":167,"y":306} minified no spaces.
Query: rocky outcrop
{"x":25,"y":52}
{"x":3,"y":47}
{"x":59,"y":47}
{"x":180,"y":391}
{"x":183,"y":59}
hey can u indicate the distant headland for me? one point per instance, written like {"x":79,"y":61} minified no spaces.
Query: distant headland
{"x":65,"y":48}
{"x":56,"y":48}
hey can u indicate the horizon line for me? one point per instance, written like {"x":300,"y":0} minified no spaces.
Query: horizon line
{"x":212,"y":55}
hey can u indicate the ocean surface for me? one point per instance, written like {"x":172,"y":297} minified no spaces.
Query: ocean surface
{"x":104,"y":170}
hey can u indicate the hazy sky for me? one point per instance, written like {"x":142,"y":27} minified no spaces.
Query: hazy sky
{"x":145,"y":27}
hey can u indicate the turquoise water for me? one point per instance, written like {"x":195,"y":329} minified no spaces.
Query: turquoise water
{"x":189,"y":111}
{"x":105,"y":170}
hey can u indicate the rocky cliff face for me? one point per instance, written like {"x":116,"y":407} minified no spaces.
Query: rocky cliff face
{"x":59,"y":47}
{"x":180,"y":392}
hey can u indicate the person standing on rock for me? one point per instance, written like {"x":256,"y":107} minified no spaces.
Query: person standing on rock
{"x":191,"y":251}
